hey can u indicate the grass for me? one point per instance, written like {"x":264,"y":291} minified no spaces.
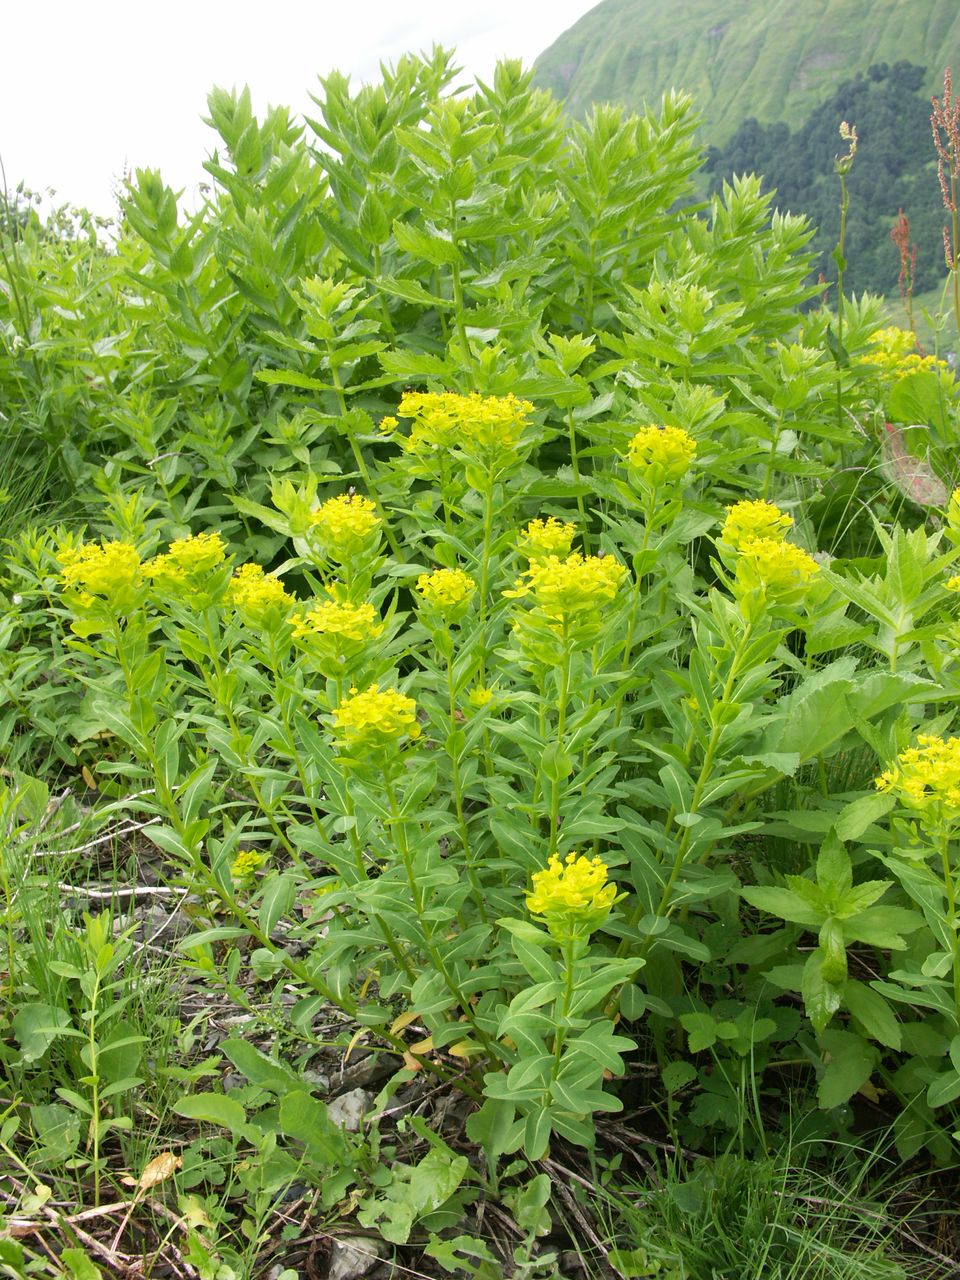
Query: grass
{"x":741,"y":57}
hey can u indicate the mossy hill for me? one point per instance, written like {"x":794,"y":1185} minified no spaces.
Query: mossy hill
{"x":771,"y":59}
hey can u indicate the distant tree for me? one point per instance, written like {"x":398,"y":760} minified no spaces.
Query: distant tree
{"x":895,"y":169}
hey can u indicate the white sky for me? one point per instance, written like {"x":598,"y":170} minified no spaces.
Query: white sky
{"x":89,"y":88}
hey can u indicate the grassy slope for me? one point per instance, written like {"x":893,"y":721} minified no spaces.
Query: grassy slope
{"x":773,"y":59}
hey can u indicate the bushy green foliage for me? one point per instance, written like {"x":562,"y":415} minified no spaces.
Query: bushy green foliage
{"x":433,"y":613}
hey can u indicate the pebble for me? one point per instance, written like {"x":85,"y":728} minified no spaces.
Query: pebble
{"x":348,"y":1109}
{"x":355,"y":1256}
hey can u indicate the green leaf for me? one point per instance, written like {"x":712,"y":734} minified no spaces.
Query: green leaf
{"x":279,"y":895}
{"x":850,"y":1062}
{"x":213,"y":1108}
{"x":701,"y":1029}
{"x":783,"y":903}
{"x":305,"y":1118}
{"x":858,"y":816}
{"x":873,"y":1013}
{"x":79,"y":1265}
{"x":821,"y":998}
{"x":260,"y":1070}
{"x":36,"y":1026}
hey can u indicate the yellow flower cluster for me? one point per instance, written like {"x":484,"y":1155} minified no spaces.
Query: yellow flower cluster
{"x":110,"y":570}
{"x":893,"y":351}
{"x":754,"y":519}
{"x":246,"y":864}
{"x":550,"y":537}
{"x":375,"y":719}
{"x":448,"y":591}
{"x":186,"y":560}
{"x":256,"y":595}
{"x":338,"y":619}
{"x":576,"y":886}
{"x":953,"y":584}
{"x":661,"y":454}
{"x":564,"y":589}
{"x":480,"y":696}
{"x":346,"y":525}
{"x":444,"y":420}
{"x":777,"y":565}
{"x":927,"y":778}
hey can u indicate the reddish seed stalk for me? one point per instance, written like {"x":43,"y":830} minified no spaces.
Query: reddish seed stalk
{"x":945,"y":123}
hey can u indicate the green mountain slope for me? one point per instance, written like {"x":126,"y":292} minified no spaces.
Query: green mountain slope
{"x":772,"y":59}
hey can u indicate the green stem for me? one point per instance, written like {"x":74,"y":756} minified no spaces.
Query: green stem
{"x":575,"y":463}
{"x":416,"y":896}
{"x":458,"y":796}
{"x":562,"y":699}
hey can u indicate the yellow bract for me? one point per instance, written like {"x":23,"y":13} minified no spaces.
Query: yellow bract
{"x":354,"y":622}
{"x":894,"y":352}
{"x":246,"y":863}
{"x":754,"y":519}
{"x":577,"y":885}
{"x":564,"y":589}
{"x":375,"y":718}
{"x":927,"y":778}
{"x":550,"y":537}
{"x":256,"y":595}
{"x":111,"y":570}
{"x":446,"y":590}
{"x":661,"y":454}
{"x":774,"y":564}
{"x":346,"y":525}
{"x":444,"y":420}
{"x":187,"y":559}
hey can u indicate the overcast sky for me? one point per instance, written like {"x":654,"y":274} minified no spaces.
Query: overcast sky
{"x":89,"y":88}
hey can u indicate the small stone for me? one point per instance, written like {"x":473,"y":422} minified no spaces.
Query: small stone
{"x":355,"y":1256}
{"x":348,"y":1109}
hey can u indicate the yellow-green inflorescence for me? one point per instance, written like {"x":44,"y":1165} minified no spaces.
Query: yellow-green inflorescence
{"x":566,"y":590}
{"x":375,"y":720}
{"x":259,"y":598}
{"x":447,"y":592}
{"x":354,"y":622}
{"x":779,"y":567}
{"x":543,"y":538}
{"x":447,"y":420}
{"x":110,"y":573}
{"x":754,"y":519}
{"x":893,"y":351}
{"x":346,"y":526}
{"x":187,"y":560}
{"x":573,"y":896}
{"x":660,"y":456}
{"x":926,"y":778}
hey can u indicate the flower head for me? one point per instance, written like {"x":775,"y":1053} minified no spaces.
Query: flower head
{"x":187,"y":561}
{"x":347,"y":526}
{"x":550,"y":537}
{"x":447,"y":592}
{"x":661,"y":455}
{"x":258,"y":597}
{"x":778,"y":566}
{"x":246,"y":864}
{"x":339,"y":619}
{"x":565,"y":590}
{"x":446,"y":420}
{"x":375,"y":719}
{"x":110,"y":572}
{"x":754,"y":519}
{"x":926,"y":778}
{"x":573,"y":896}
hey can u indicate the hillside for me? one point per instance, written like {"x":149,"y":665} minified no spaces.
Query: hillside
{"x":772,"y":59}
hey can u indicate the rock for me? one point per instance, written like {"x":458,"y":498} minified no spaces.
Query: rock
{"x":349,"y":1109}
{"x":355,"y":1256}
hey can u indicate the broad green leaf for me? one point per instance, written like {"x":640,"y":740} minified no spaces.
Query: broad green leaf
{"x":213,"y":1108}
